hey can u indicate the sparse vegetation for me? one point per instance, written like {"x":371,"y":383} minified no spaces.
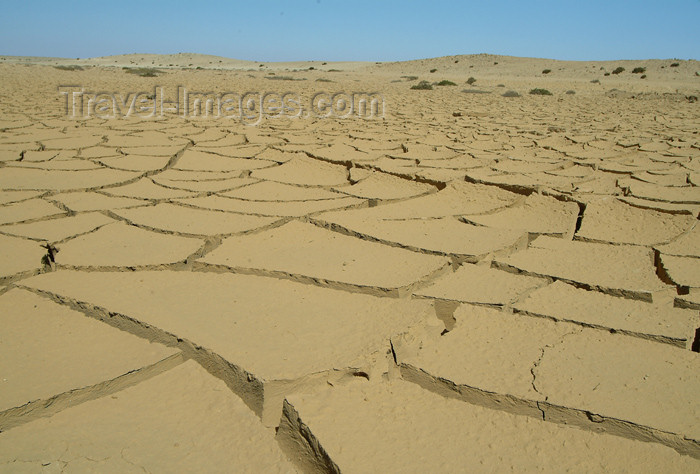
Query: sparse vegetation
{"x":595,"y":81}
{"x":422,"y":86}
{"x":284,"y":78}
{"x":639,"y":70}
{"x":143,"y":71}
{"x":539,"y":91}
{"x":511,"y":94}
{"x":433,"y":70}
{"x":445,"y":82}
{"x":323,"y":79}
{"x":409,"y":78}
{"x":618,"y":70}
{"x":570,"y":92}
{"x":546,"y":71}
{"x":643,"y":76}
{"x":72,"y":67}
{"x":675,"y":64}
{"x":501,"y":85}
{"x":471,"y":81}
{"x":475,"y":91}
{"x":334,"y":70}
{"x":606,"y":74}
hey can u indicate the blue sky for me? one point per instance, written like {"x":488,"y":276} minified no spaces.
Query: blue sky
{"x":354,"y":30}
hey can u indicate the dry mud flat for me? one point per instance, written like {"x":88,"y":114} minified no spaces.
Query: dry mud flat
{"x":472,"y":283}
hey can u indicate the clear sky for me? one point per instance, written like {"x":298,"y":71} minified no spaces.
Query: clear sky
{"x":337,"y":30}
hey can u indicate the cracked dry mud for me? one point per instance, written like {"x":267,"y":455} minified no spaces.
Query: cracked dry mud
{"x":513,"y":288}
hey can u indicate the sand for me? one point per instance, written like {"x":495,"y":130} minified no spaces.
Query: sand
{"x":463,"y":282}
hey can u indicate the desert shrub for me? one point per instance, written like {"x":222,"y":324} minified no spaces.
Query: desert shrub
{"x":540,"y":92}
{"x":143,"y":71}
{"x":501,"y":85}
{"x":643,"y":76}
{"x":474,"y":91}
{"x":284,"y":78}
{"x":618,"y":70}
{"x":570,"y":92}
{"x":511,"y":94}
{"x":471,"y":81}
{"x":445,"y":82}
{"x":422,"y":86}
{"x":72,"y":67}
{"x":606,"y":74}
{"x":323,"y":79}
{"x":433,"y":70}
{"x":409,"y":78}
{"x":334,"y":70}
{"x":546,"y":71}
{"x":639,"y":70}
{"x":675,"y":64}
{"x":595,"y":81}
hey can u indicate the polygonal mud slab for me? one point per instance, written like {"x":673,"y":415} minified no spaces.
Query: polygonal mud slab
{"x":93,"y":201}
{"x":305,"y":171}
{"x":7,"y":197}
{"x":271,"y":191}
{"x":136,"y":162}
{"x":264,"y":335}
{"x":188,"y":220}
{"x":443,"y":236}
{"x":657,"y":321}
{"x":320,"y":255}
{"x":123,"y":245}
{"x":611,"y":220}
{"x":49,"y":349}
{"x":623,"y":384}
{"x":147,"y":189}
{"x":181,"y":420}
{"x":19,"y":255}
{"x":269,"y":208}
{"x":537,"y":215}
{"x":618,"y":269}
{"x":168,"y":151}
{"x":685,"y":195}
{"x":27,"y":210}
{"x":398,"y":427}
{"x":481,"y":285}
{"x":558,"y":372}
{"x":486,"y":357}
{"x":62,"y":164}
{"x":193,"y":160}
{"x":670,"y":207}
{"x":383,"y":186}
{"x":687,"y":245}
{"x":456,"y":199}
{"x":213,"y":185}
{"x":30,"y":178}
{"x":683,"y":271}
{"x":53,"y":230}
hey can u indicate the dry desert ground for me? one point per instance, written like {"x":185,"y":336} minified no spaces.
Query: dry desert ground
{"x":468,"y":278}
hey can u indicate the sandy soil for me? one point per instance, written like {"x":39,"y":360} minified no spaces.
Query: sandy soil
{"x":466,"y":278}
